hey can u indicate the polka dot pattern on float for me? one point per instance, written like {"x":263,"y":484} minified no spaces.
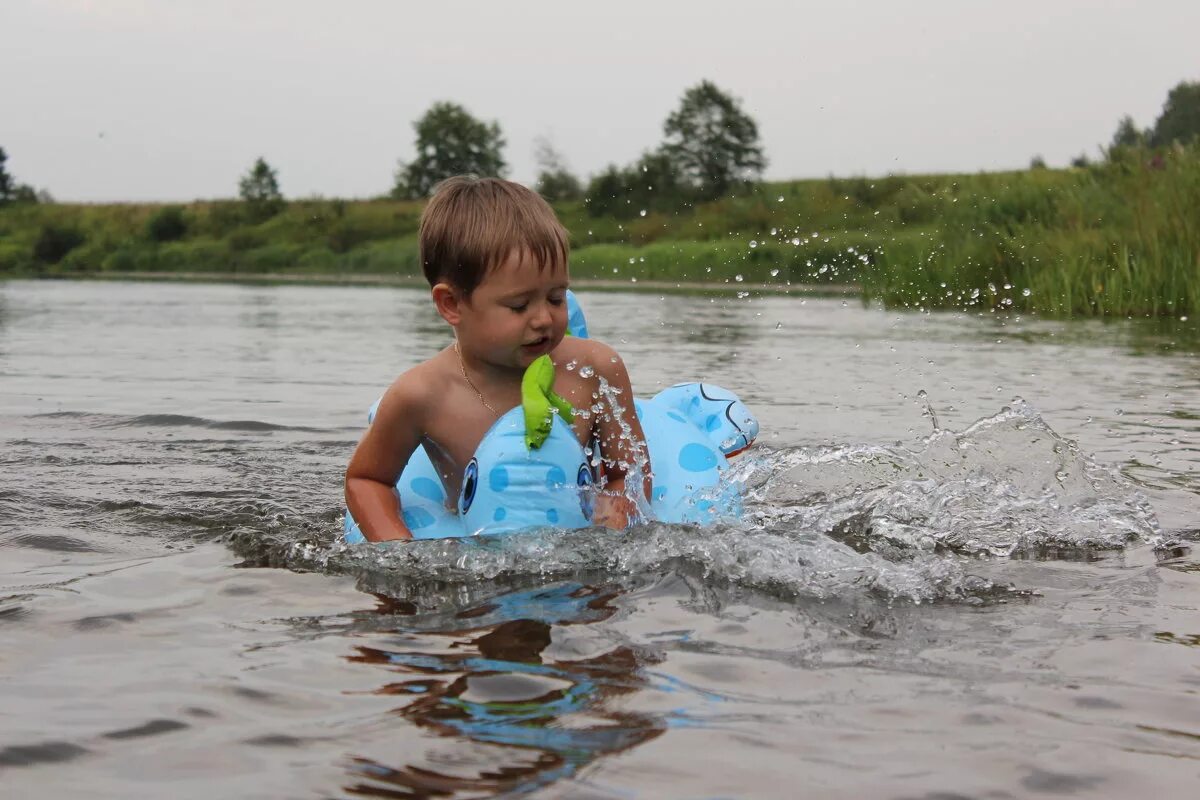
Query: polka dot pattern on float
{"x":697,"y":458}
{"x":498,"y":479}
{"x":429,"y":489}
{"x":555,"y":478}
{"x":417,"y":518}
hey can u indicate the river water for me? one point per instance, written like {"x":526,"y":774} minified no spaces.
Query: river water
{"x":966,"y":568}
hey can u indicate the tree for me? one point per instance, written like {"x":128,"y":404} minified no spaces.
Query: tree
{"x":1180,"y":118}
{"x":259,"y":188}
{"x":8,"y":188}
{"x":711,"y":142}
{"x":650,"y":184}
{"x":13,"y":192}
{"x":1128,"y":134}
{"x":450,"y":142}
{"x":555,"y":181}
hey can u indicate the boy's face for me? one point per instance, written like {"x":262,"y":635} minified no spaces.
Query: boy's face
{"x":517,"y":312}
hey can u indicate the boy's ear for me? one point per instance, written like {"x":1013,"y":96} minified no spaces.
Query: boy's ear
{"x":448,"y":301}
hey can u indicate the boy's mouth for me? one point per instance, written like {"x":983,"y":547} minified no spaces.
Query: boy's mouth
{"x":537,"y":345}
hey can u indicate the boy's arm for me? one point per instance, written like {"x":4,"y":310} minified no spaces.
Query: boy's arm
{"x":379,"y":459}
{"x":623,"y":451}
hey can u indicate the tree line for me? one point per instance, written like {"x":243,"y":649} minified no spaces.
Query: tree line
{"x":710,"y":149}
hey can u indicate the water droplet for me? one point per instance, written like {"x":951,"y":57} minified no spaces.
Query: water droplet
{"x":738,"y":278}
{"x":775,"y":272}
{"x":642,"y":213}
{"x":753,"y":243}
{"x":571,"y":365}
{"x":780,"y":200}
{"x":1026,"y":292}
{"x":586,"y":372}
{"x":778,"y":325}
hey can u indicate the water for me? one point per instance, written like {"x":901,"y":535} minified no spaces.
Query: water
{"x":966,"y":569}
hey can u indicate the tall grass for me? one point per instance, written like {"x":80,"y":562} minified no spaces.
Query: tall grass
{"x":1117,"y":238}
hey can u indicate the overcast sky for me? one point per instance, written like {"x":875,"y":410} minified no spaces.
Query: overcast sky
{"x":108,"y":100}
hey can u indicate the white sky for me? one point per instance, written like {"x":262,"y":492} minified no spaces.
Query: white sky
{"x":109,"y":100}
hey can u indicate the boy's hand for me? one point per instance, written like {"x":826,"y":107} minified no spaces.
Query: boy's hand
{"x":379,"y":459}
{"x":614,"y":510}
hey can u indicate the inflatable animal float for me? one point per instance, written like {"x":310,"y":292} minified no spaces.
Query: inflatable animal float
{"x":530,"y":470}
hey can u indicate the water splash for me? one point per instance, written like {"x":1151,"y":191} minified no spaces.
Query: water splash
{"x":1006,"y":486}
{"x":897,"y":523}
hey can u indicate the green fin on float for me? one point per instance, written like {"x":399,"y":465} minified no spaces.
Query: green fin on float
{"x":539,"y":402}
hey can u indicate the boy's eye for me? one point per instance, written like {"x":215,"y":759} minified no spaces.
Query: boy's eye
{"x":520,"y":308}
{"x":557,"y":301}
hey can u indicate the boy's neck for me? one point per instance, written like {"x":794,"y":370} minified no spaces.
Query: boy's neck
{"x":480,"y":370}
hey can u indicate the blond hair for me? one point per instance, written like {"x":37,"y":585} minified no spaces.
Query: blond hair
{"x":471,"y":225}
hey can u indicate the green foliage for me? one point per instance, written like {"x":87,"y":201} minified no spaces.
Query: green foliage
{"x":1128,"y":134}
{"x":555,"y":181}
{"x":1180,"y":118}
{"x":13,"y":192}
{"x":712,"y":143}
{"x":1037,"y":162}
{"x":54,"y":241}
{"x":1120,"y":237}
{"x":450,"y":142}
{"x":7,"y":185}
{"x":651,"y":184}
{"x":1117,"y":239}
{"x":259,"y":190}
{"x":14,"y":258}
{"x":168,"y":224}
{"x":730,"y":261}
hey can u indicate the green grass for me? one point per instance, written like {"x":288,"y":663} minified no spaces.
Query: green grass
{"x":1120,"y":238}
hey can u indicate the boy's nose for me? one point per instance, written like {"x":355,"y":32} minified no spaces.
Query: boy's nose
{"x":542,"y":317}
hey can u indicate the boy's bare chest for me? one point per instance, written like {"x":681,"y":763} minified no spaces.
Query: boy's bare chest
{"x":460,"y":420}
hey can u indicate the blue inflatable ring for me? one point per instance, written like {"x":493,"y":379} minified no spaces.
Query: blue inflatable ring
{"x":692,"y":429}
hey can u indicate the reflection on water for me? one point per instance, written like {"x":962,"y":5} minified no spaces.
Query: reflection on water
{"x":486,"y":680}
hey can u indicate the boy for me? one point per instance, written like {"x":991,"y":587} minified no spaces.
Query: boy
{"x":495,"y":257}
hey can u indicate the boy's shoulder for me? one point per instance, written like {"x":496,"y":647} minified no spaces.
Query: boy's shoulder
{"x":419,"y":384}
{"x":601,"y":357}
{"x":574,"y":347}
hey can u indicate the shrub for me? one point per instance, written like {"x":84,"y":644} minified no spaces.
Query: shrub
{"x":13,"y":257}
{"x":168,"y":224}
{"x":54,"y":241}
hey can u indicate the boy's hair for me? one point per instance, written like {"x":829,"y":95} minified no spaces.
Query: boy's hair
{"x":471,"y":225}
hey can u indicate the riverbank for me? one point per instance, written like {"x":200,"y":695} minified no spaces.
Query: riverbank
{"x":413,"y":282}
{"x":1120,"y":238}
